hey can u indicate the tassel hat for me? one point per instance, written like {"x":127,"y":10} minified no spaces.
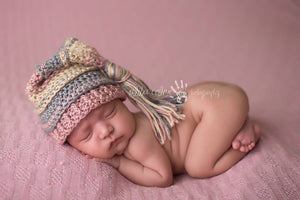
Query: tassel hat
{"x":77,"y":79}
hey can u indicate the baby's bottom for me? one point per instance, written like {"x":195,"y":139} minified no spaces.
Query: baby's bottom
{"x":224,"y":135}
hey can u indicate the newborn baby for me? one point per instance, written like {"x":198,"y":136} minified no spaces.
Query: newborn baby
{"x":79,"y":97}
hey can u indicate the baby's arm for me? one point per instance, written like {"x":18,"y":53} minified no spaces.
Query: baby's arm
{"x":154,"y":168}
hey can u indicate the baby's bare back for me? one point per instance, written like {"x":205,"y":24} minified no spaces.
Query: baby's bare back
{"x":200,"y":97}
{"x":181,"y":133}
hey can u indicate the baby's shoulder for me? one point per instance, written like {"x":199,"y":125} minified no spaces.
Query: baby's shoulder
{"x":143,"y":142}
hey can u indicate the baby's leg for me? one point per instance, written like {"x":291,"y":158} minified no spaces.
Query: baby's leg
{"x":210,"y":152}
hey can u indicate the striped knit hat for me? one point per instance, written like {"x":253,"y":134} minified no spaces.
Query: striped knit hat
{"x":76,"y":80}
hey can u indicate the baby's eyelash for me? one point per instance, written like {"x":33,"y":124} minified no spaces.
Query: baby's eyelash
{"x":111,"y":113}
{"x":88,"y":136}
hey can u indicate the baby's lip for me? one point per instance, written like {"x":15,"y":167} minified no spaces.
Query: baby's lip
{"x":115,"y":142}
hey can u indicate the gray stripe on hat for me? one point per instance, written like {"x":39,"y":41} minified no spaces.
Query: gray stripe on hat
{"x":59,"y":84}
{"x":55,"y":62}
{"x":50,"y":65}
{"x":95,"y":78}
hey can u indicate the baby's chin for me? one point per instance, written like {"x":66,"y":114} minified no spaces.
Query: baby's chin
{"x":122,"y":147}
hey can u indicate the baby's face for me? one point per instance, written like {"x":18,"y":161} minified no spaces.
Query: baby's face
{"x":105,"y":131}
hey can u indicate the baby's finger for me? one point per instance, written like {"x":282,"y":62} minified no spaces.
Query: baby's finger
{"x":88,"y":156}
{"x":97,"y":159}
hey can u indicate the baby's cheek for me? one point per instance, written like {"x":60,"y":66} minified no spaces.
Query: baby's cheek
{"x":120,"y":120}
{"x":129,"y":121}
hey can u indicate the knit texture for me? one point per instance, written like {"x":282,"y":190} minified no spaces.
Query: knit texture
{"x":74,"y":71}
{"x":68,"y":86}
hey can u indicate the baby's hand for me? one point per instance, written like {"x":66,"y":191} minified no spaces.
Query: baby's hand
{"x":114,"y":161}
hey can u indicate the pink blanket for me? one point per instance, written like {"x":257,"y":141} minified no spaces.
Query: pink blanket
{"x":254,"y":44}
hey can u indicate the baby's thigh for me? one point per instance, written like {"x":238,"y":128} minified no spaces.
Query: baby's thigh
{"x":221,"y":118}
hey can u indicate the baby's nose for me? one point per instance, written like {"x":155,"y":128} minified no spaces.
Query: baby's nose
{"x":103,"y":130}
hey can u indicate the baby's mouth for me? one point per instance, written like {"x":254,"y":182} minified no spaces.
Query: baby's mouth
{"x":116,"y":142}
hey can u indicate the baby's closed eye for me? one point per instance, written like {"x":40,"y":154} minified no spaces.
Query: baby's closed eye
{"x":110,"y":113}
{"x":87,"y":135}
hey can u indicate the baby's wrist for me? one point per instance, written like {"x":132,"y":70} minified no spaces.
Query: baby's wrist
{"x":119,"y":160}
{"x":114,"y":161}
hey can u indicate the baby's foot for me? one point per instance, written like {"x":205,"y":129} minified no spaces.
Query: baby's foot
{"x":247,"y":137}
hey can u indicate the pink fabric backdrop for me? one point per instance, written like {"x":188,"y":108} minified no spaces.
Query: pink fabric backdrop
{"x":254,"y":44}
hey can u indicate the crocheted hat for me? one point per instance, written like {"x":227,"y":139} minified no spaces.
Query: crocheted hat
{"x":76,"y":80}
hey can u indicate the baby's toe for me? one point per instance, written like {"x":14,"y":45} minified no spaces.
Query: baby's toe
{"x":243,"y":149}
{"x":236,"y":144}
{"x":251,"y":146}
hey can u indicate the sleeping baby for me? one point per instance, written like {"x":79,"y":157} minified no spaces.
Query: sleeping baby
{"x":79,"y":97}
